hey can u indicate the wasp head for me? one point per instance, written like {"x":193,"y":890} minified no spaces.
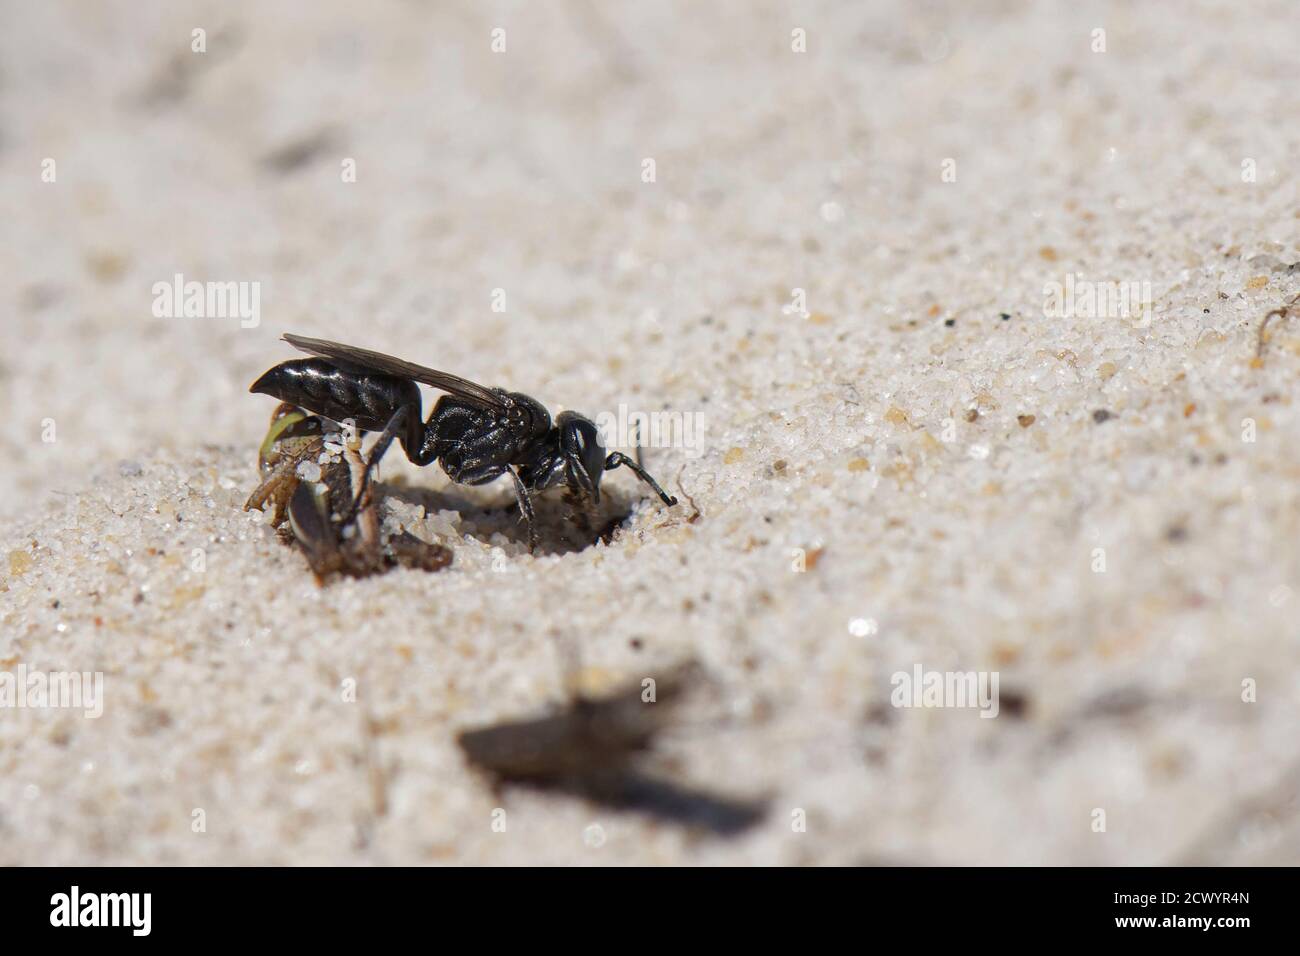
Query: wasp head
{"x":584,"y":455}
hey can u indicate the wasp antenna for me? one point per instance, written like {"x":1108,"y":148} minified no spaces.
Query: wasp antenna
{"x":618,"y":458}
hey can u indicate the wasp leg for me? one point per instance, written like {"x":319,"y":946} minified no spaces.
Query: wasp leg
{"x":376,"y":452}
{"x":618,"y":458}
{"x":526,"y":509}
{"x":364,"y":547}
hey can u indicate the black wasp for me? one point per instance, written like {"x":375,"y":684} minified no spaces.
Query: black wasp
{"x":476,"y":434}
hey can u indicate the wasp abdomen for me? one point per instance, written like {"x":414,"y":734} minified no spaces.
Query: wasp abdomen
{"x":369,"y":400}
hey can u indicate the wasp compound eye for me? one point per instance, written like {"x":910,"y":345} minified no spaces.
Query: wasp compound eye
{"x":583,"y":452}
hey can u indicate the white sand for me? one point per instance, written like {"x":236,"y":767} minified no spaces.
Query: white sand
{"x":970,"y":546}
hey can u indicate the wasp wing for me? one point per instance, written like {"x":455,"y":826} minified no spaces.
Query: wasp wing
{"x":349,"y":356}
